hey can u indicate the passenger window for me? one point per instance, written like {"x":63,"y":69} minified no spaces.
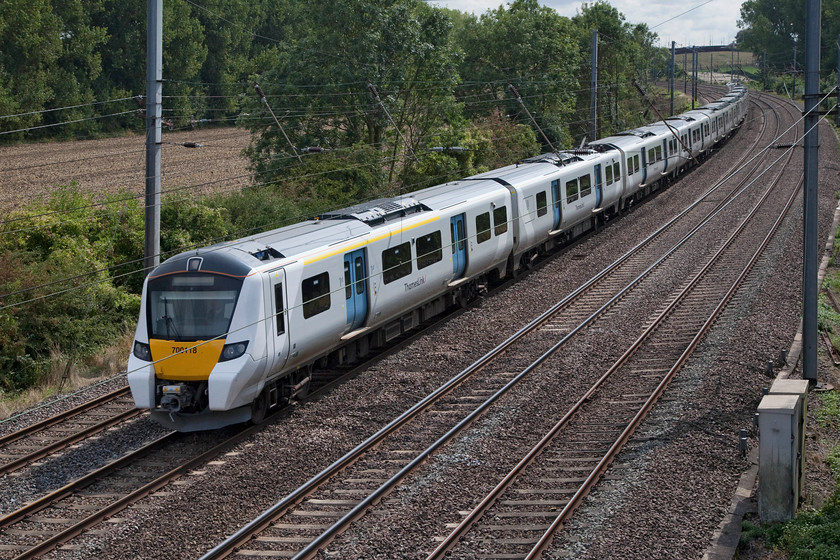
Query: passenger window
{"x":651,"y":156}
{"x":659,"y":153}
{"x":585,"y":185}
{"x":571,"y":191}
{"x":617,"y":172}
{"x":630,"y":166}
{"x":348,"y":290}
{"x":278,"y":309}
{"x":608,"y":171}
{"x":316,"y":294}
{"x":636,"y":163}
{"x":359,"y":265}
{"x":482,"y":227}
{"x":500,"y":220}
{"x":542,"y":203}
{"x":396,"y":262}
{"x":429,"y":248}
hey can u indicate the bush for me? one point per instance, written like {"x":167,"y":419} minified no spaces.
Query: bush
{"x":814,"y":535}
{"x":186,"y":224}
{"x":57,"y":295}
{"x":58,"y":309}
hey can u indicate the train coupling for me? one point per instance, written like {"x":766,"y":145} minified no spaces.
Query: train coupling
{"x":180,"y":397}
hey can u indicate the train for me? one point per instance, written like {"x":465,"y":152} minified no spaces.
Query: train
{"x":229,"y":331}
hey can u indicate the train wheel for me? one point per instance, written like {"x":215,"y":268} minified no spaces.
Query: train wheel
{"x":259,"y":408}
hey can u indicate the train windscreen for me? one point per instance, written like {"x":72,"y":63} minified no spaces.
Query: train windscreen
{"x":188,"y":307}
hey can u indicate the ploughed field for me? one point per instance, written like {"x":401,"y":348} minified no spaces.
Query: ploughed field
{"x":111,"y":165}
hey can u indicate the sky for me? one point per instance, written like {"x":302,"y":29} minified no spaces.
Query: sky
{"x":709,"y":22}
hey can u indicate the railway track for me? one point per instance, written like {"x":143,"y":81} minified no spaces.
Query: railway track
{"x":58,"y":432}
{"x":306,"y":520}
{"x":521,"y":515}
{"x":57,"y":517}
{"x":456,"y":405}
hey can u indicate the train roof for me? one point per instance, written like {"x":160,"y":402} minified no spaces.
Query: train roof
{"x":622,"y":140}
{"x":456,"y":192}
{"x":293,"y":240}
{"x":338,"y":226}
{"x":660,"y":128}
{"x":538,"y":167}
{"x":716,"y":105}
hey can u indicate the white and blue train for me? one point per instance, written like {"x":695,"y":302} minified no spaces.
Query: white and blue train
{"x":230,"y":330}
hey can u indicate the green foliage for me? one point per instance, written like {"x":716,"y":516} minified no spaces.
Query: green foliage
{"x":814,"y":535}
{"x":751,"y":531}
{"x":255,"y":209}
{"x":828,"y":413}
{"x":402,"y":47}
{"x":833,"y":460}
{"x":625,"y":50}
{"x":776,"y":27}
{"x":811,"y":535}
{"x":827,"y":317}
{"x":58,"y":294}
{"x":187,"y":223}
{"x":534,"y":49}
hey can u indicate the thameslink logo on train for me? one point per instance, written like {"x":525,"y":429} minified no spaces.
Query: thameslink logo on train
{"x":419,"y":282}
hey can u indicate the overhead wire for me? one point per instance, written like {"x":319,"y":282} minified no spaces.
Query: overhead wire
{"x":54,"y":109}
{"x":270,"y":317}
{"x":119,"y":200}
{"x":127,"y":198}
{"x":137,"y":261}
{"x":194,"y":245}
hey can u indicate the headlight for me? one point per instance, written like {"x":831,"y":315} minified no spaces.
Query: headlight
{"x":233,"y":351}
{"x":142,"y":351}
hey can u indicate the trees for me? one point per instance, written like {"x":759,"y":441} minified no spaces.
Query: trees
{"x":530,"y":46}
{"x":625,"y":52}
{"x":30,"y":35}
{"x":778,"y":26}
{"x":318,"y":85}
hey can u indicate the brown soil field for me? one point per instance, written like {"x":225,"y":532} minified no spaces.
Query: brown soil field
{"x":109,"y":165}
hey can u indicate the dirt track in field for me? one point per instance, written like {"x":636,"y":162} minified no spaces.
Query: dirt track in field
{"x":118,"y":164}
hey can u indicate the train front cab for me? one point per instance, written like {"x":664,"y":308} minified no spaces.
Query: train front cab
{"x":195,"y":356}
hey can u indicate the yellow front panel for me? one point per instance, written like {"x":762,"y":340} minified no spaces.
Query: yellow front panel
{"x":185,"y":361}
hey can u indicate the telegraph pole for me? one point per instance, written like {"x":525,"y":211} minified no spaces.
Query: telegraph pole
{"x":732,"y":63}
{"x":693,"y":76}
{"x":764,"y":72}
{"x":593,"y":103}
{"x":154,"y":96}
{"x":672,"y":72}
{"x":810,"y":288}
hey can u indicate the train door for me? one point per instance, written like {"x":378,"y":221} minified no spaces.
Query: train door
{"x":665,"y":153}
{"x":599,"y":184}
{"x":355,"y":288}
{"x":556,"y":203}
{"x":644,"y":166}
{"x":277,"y":327}
{"x":457,"y":227}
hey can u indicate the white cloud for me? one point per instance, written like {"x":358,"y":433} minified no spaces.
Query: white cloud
{"x":714,"y":23}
